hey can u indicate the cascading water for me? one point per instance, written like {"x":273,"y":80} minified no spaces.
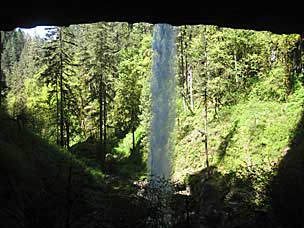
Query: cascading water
{"x":163,"y":101}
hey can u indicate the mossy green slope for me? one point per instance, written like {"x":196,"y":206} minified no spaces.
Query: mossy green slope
{"x":254,"y":132}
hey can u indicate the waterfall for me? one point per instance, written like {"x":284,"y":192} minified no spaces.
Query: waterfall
{"x":163,"y":101}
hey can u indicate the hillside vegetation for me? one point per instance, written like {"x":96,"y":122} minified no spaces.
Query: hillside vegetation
{"x":252,"y":133}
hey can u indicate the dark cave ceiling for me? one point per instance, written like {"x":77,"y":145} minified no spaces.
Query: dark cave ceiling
{"x":276,"y":19}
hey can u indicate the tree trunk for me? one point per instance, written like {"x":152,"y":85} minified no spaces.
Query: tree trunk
{"x":186,"y":68}
{"x":191,"y":89}
{"x":82,"y":118}
{"x":104,"y":123}
{"x":301,"y":50}
{"x":133,"y":131}
{"x":182,"y":75}
{"x":133,"y":139}
{"x":216,"y":107}
{"x":0,"y":70}
{"x":57,"y":114}
{"x":235,"y":68}
{"x":205,"y":117}
{"x":101,"y":152}
{"x":61,"y":91}
{"x":67,"y":134}
{"x":205,"y":125}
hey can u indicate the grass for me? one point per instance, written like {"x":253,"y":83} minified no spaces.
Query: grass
{"x":252,"y":132}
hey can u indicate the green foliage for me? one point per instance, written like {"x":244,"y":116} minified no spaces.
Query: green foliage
{"x":127,"y":162}
{"x":254,"y":93}
{"x":250,"y":133}
{"x":58,"y":58}
{"x":239,"y":198}
{"x":13,"y":43}
{"x":273,"y":87}
{"x":128,"y":92}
